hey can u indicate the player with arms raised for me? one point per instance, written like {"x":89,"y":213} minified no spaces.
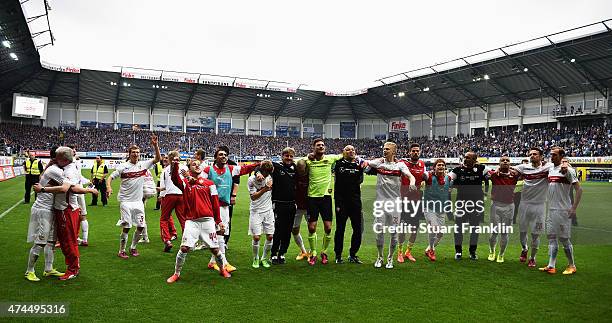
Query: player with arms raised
{"x":130,"y":197}
{"x":201,"y":204}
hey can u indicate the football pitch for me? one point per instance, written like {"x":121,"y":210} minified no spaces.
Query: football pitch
{"x":111,"y":289}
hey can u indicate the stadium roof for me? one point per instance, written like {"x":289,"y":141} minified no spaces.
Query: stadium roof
{"x":541,"y":67}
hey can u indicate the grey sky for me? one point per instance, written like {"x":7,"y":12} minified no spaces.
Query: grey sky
{"x":329,"y":45}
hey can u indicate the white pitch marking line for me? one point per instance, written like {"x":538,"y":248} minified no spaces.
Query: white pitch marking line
{"x":11,"y":208}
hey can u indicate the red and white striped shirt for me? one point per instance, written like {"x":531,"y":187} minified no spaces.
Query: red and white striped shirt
{"x":559,"y":188}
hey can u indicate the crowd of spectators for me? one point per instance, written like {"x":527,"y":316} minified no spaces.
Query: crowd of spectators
{"x":592,"y":139}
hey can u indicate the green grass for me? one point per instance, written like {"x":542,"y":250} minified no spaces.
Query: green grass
{"x":111,"y":289}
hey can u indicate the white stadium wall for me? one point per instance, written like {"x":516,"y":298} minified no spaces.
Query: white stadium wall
{"x":445,"y":123}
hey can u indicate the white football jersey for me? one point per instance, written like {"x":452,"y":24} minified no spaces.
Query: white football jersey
{"x":132,"y":180}
{"x":389,"y":178}
{"x":535,"y":182}
{"x":264,"y":202}
{"x":45,"y":201}
{"x":559,"y":188}
{"x":62,"y":200}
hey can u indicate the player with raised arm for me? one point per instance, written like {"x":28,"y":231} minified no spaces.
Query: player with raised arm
{"x":261,"y":213}
{"x":202,"y":211}
{"x":319,"y":198}
{"x":171,"y":199}
{"x":221,"y":174}
{"x":437,"y":186}
{"x":388,"y":185}
{"x":561,"y":179}
{"x":412,"y":216}
{"x":532,"y":208}
{"x":130,"y":197}
{"x":502,"y":208}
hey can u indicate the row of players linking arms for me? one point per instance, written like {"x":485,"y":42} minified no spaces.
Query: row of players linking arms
{"x":283,"y":193}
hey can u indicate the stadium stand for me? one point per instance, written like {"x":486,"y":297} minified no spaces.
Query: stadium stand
{"x":594,"y":139}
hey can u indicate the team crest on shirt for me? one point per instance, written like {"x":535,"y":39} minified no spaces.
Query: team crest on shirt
{"x":200,"y":181}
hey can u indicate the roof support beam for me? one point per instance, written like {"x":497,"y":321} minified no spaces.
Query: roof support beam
{"x":583,"y":70}
{"x":194,"y":89}
{"x":398,"y":106}
{"x":348,"y":98}
{"x":436,"y":95}
{"x":225,"y":96}
{"x":550,"y":90}
{"x":78,"y":84}
{"x":329,"y":107}
{"x":252,"y":107}
{"x":119,"y":85}
{"x":319,"y":98}
{"x":155,"y":93}
{"x":281,"y":109}
{"x":478,"y":101}
{"x":371,"y":105}
{"x":52,"y":84}
{"x":497,"y":85}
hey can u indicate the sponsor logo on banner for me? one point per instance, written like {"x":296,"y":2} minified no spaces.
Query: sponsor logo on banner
{"x":215,"y":82}
{"x":398,"y":126}
{"x":19,"y":170}
{"x":590,"y":160}
{"x":41,"y":153}
{"x":308,"y":129}
{"x":8,"y":172}
{"x":141,"y":76}
{"x":6,"y":161}
{"x":59,"y":68}
{"x":349,"y":93}
{"x":94,"y":154}
{"x":180,"y":77}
